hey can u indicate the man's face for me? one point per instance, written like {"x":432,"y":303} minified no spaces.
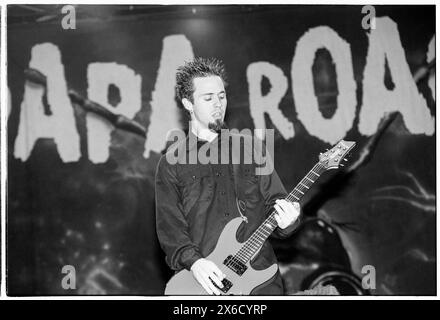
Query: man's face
{"x":210,"y":102}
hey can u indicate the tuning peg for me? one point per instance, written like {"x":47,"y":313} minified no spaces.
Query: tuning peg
{"x":342,"y":165}
{"x":345,"y":159}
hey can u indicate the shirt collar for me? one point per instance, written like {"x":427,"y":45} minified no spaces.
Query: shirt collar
{"x":192,"y":140}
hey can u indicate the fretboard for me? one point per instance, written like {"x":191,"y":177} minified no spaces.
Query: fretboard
{"x":257,"y":239}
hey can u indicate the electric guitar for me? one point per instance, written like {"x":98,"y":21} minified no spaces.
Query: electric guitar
{"x":233,"y":258}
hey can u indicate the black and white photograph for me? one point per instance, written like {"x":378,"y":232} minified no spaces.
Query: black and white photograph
{"x":267,"y":150}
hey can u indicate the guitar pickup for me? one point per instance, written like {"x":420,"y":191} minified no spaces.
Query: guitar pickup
{"x":235,"y":265}
{"x":226,"y":285}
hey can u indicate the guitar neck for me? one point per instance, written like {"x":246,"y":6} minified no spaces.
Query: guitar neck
{"x":257,"y":239}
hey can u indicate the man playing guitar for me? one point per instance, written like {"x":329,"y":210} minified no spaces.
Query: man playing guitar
{"x":194,"y":202}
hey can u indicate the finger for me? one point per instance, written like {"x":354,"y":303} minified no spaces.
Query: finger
{"x":204,"y":284}
{"x":290,"y":208}
{"x":208,"y":276}
{"x":278,"y":208}
{"x":289,"y":215}
{"x":278,"y":219}
{"x":216,"y":279}
{"x":286,"y":205}
{"x":213,"y":288}
{"x":281,"y":214}
{"x":218,"y":272}
{"x":295,"y":212}
{"x":283,"y":209}
{"x":281,"y":201}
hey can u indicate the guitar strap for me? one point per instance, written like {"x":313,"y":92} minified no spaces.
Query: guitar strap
{"x":241,"y":204}
{"x":239,"y":198}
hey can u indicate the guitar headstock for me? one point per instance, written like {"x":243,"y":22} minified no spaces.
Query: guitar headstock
{"x":332,"y":158}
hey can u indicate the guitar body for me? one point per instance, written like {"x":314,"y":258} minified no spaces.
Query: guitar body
{"x":241,"y":278}
{"x":184,"y":283}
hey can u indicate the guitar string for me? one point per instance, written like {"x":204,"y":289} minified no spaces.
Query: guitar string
{"x":249,"y":248}
{"x":259,"y":236}
{"x":247,"y":253}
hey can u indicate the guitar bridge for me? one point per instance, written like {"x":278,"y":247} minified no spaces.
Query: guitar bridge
{"x":226,"y":285}
{"x":235,"y":265}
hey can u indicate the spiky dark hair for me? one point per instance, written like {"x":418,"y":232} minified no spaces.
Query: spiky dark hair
{"x":199,"y":67}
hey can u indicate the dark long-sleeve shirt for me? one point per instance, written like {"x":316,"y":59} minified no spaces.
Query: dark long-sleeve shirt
{"x":194,"y":202}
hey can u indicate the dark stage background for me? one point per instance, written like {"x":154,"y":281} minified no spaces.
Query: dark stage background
{"x":81,"y":192}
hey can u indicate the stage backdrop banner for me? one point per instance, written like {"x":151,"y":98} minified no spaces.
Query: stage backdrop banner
{"x":81,"y":213}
